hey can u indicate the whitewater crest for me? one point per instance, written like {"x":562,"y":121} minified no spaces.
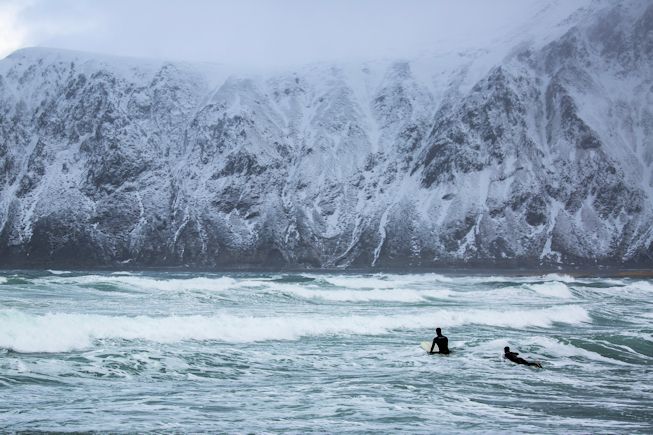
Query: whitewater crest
{"x":522,"y":152}
{"x":65,"y":332}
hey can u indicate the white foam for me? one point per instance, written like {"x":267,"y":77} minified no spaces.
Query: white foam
{"x":425,"y":278}
{"x":570,"y":314}
{"x":409,"y":288}
{"x":434,"y":278}
{"x":61,"y":332}
{"x":519,"y":279}
{"x":360,"y":282}
{"x":395,"y":295}
{"x":58,"y":272}
{"x":3,"y":280}
{"x":388,"y":281}
{"x":142,"y":283}
{"x":558,"y":349}
{"x":553,"y":289}
{"x":642,"y":285}
{"x":559,"y":277}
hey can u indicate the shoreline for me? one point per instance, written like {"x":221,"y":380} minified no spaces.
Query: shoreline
{"x":576,"y":272}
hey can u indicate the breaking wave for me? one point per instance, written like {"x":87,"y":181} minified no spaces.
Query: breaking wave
{"x":642,"y":285}
{"x":62,"y":332}
{"x":58,"y":272}
{"x":379,"y":295}
{"x":553,"y":289}
{"x":142,"y":283}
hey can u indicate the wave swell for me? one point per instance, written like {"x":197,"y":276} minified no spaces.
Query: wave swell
{"x":62,"y":332}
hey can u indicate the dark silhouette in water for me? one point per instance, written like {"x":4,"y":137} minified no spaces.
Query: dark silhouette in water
{"x":512,"y":356}
{"x":441,"y":341}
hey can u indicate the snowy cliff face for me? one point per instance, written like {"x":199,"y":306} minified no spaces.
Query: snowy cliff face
{"x":528,"y":153}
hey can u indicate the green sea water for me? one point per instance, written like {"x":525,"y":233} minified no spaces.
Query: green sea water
{"x":271,"y":352}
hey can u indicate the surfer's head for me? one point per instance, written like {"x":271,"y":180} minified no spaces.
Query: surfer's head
{"x":438,"y":331}
{"x":506,"y":349}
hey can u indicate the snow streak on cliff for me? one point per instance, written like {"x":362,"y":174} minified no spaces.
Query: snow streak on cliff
{"x":531,"y":151}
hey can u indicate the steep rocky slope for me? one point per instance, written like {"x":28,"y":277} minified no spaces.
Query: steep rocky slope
{"x":525,"y":153}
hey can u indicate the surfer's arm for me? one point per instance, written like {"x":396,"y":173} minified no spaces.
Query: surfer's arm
{"x":432,"y":346}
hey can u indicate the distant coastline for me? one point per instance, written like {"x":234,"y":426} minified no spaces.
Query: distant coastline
{"x":585,"y":271}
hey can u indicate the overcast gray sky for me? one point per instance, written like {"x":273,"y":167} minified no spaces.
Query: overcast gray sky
{"x":258,"y":32}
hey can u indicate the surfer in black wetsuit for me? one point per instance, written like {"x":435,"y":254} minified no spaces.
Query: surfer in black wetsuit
{"x":512,"y":356}
{"x":441,"y":341}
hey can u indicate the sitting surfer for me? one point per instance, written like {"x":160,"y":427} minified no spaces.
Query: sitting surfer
{"x":441,"y":341}
{"x":512,"y":356}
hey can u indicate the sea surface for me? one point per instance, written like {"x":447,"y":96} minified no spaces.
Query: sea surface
{"x":273,"y":352}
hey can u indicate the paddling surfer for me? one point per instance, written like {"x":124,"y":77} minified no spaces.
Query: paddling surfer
{"x":441,"y":341}
{"x":512,"y":356}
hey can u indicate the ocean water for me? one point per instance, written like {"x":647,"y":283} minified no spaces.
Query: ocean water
{"x":265,"y":352}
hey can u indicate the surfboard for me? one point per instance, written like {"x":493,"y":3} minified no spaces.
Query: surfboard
{"x":426,"y":345}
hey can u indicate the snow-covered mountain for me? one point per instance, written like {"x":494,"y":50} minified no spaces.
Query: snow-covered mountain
{"x":536,"y":149}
